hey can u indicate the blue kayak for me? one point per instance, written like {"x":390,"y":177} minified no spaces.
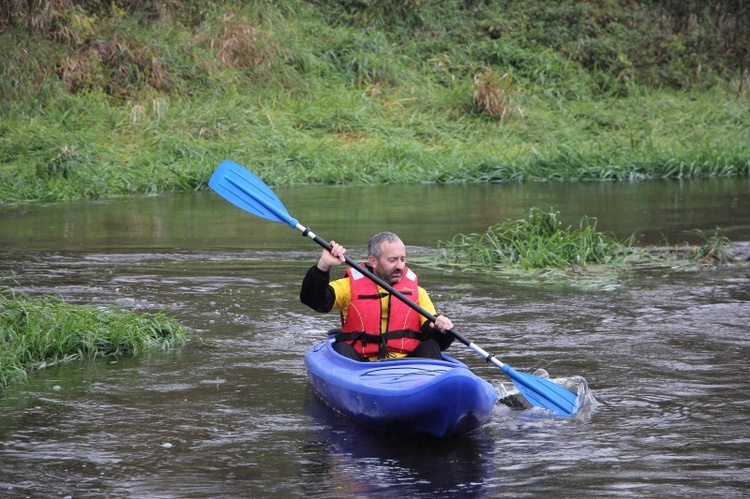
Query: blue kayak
{"x":414,"y":395}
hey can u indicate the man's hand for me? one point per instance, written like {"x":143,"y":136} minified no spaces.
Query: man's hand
{"x":337,"y":256}
{"x":442,"y":323}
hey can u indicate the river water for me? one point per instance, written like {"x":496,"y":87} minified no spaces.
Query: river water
{"x":664,"y":349}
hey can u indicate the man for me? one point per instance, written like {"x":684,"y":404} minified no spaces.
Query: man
{"x":373,"y":323}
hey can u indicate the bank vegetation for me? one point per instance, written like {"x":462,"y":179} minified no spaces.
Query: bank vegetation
{"x":135,"y":97}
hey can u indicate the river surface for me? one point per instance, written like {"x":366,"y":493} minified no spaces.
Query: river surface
{"x":663,"y":348}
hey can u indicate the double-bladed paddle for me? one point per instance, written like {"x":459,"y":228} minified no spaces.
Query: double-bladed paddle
{"x":245,"y":190}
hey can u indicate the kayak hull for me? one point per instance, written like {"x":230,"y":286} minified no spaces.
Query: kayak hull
{"x":411,"y":395}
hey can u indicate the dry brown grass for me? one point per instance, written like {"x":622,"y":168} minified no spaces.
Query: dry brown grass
{"x":496,"y":95}
{"x":33,"y":15}
{"x":239,"y":45}
{"x":119,"y":66}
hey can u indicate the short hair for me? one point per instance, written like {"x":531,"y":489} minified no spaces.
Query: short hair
{"x":374,"y":246}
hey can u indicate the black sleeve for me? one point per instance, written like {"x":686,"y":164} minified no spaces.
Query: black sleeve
{"x":443,"y":339}
{"x":315,"y":292}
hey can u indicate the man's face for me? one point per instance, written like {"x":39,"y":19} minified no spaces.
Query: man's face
{"x":390,"y":265}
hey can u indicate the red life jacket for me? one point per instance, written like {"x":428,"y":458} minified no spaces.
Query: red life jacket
{"x":361,"y":328}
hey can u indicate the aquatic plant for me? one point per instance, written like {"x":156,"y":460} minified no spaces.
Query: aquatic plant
{"x":536,"y":242}
{"x":715,"y":248}
{"x":38,"y":333}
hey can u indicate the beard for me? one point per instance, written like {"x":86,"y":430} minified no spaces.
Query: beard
{"x":392,"y":277}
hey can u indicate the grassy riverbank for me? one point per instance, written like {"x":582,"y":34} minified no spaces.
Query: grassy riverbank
{"x":38,"y":333}
{"x":120,"y":101}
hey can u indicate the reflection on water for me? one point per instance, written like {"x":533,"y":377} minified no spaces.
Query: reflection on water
{"x":656,"y":212}
{"x":413,"y":465}
{"x":232,"y":414}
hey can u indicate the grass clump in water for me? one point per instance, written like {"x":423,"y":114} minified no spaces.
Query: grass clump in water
{"x":715,"y":248}
{"x":536,"y":242}
{"x":35,"y":334}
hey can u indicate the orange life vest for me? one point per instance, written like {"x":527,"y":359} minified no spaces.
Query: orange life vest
{"x":362,"y":326}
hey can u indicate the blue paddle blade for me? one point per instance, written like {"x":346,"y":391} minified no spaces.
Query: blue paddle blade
{"x":243,"y":189}
{"x":541,"y":392}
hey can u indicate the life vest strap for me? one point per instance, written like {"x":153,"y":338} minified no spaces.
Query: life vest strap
{"x":376,"y":296}
{"x":380,"y":339}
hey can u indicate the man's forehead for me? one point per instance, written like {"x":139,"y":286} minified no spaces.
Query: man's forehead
{"x":393,"y":248}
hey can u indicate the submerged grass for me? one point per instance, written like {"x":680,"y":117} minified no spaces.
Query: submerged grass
{"x":38,"y":333}
{"x":537,"y":248}
{"x":715,"y":248}
{"x":537,"y":242}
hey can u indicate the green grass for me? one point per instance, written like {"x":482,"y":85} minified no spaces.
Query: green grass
{"x":35,"y":334}
{"x":338,"y":92}
{"x":715,"y":248}
{"x":538,"y":247}
{"x":536,"y":242}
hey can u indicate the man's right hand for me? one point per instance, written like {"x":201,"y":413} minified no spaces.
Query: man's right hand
{"x":337,"y":256}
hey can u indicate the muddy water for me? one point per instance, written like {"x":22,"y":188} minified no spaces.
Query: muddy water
{"x":232,"y":415}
